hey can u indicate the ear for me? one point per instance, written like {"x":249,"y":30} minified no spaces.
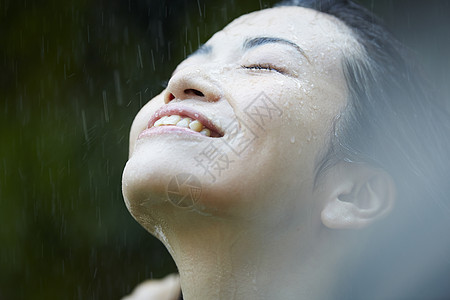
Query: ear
{"x":356,"y":195}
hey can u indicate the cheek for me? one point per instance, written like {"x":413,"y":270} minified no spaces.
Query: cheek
{"x":308,"y":114}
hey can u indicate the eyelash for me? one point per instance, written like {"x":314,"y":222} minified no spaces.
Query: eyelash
{"x":267,"y":67}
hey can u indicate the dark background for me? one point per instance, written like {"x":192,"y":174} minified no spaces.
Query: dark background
{"x":73,"y":74}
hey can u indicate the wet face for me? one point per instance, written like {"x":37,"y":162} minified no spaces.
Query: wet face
{"x":243,"y":120}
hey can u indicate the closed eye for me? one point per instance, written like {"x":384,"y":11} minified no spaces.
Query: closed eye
{"x":266,"y":67}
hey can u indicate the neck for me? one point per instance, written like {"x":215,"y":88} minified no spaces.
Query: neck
{"x":229,"y":260}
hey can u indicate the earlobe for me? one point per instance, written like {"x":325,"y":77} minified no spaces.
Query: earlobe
{"x":359,"y":196}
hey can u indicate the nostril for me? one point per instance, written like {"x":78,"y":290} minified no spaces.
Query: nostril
{"x":171,"y":97}
{"x":194,"y":92}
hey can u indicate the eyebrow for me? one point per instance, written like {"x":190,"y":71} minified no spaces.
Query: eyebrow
{"x":252,"y":43}
{"x":259,"y":41}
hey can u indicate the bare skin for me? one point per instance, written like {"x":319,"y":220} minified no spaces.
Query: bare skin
{"x":259,"y":229}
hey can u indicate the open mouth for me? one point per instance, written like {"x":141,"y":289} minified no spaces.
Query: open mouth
{"x":185,"y":118}
{"x":186,"y":122}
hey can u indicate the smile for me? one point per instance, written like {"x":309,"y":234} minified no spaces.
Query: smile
{"x":184,"y":122}
{"x":180,"y":119}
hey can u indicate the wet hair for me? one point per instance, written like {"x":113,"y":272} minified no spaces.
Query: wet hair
{"x":395,"y":122}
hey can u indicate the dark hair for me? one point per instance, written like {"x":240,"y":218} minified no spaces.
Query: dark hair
{"x":391,"y":118}
{"x":393,"y":122}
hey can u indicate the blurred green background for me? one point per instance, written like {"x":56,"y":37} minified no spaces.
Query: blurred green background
{"x":72,"y":76}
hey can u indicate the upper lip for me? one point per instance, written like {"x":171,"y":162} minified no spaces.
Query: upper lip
{"x":176,"y":109}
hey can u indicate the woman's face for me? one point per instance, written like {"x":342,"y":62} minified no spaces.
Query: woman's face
{"x":268,"y":87}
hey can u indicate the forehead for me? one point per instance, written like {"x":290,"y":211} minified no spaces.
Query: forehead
{"x":303,"y":26}
{"x":322,"y":37}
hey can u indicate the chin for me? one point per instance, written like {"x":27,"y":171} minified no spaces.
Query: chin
{"x":153,"y":184}
{"x":151,"y":205}
{"x":163,"y":181}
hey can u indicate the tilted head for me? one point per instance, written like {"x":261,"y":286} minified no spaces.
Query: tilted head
{"x":271,"y":85}
{"x":312,"y":117}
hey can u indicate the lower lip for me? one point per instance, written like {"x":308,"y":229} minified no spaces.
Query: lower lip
{"x":154,"y":131}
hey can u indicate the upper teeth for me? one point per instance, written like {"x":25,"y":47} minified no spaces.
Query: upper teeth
{"x":176,"y":120}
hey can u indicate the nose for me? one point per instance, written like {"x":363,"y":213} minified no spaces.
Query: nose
{"x":191,"y":83}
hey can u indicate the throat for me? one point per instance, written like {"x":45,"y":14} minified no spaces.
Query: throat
{"x":245,"y":266}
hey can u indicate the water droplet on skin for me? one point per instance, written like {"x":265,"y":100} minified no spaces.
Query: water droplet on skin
{"x":310,"y":135}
